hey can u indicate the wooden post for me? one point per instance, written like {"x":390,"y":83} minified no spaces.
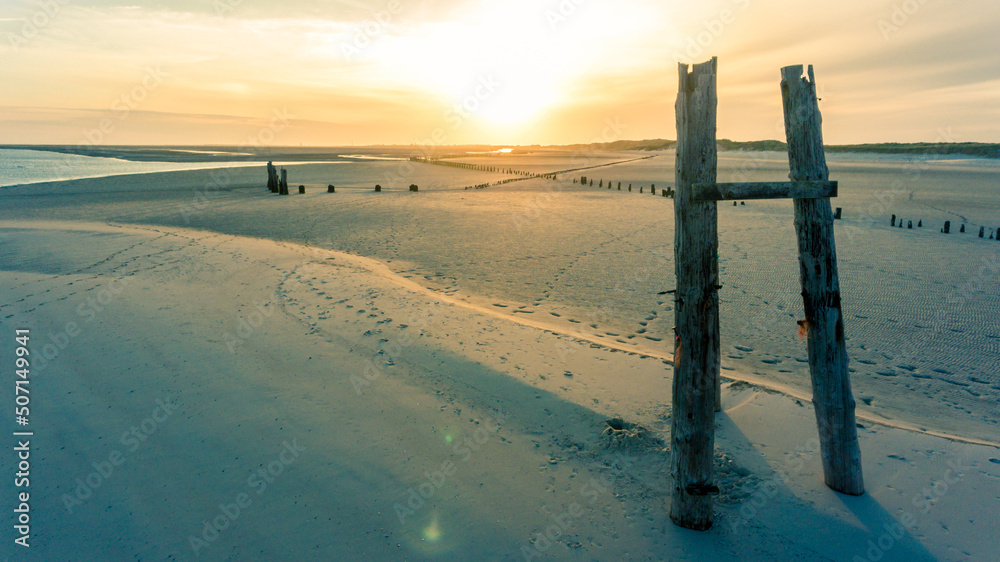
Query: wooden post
{"x":909,"y":224}
{"x":413,"y":187}
{"x":378,"y":188}
{"x":272,"y":183}
{"x":893,"y":223}
{"x":283,"y":184}
{"x":961,"y":229}
{"x":828,"y":361}
{"x":696,"y":345}
{"x":331,"y":189}
{"x":302,"y":189}
{"x":920,"y":223}
{"x":583,"y":179}
{"x":982,"y":230}
{"x":836,"y":213}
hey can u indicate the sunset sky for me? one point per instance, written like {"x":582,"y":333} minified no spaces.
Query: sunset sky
{"x":491,"y":71}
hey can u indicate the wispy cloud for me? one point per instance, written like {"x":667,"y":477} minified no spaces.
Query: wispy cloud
{"x":389,"y":72}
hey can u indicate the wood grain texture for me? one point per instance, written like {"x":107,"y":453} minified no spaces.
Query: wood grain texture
{"x":764,"y":190}
{"x":828,"y":361}
{"x":696,"y":362}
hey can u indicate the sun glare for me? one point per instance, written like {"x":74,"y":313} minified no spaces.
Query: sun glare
{"x":530,"y":57}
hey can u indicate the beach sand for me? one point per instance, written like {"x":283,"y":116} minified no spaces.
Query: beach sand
{"x":237,"y":368}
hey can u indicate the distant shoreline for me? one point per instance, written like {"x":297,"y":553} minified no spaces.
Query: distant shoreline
{"x":196,"y":153}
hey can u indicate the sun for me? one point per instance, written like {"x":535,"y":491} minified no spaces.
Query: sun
{"x":534,"y":55}
{"x":508,"y":45}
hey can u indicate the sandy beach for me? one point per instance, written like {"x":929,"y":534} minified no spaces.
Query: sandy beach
{"x":228,"y":375}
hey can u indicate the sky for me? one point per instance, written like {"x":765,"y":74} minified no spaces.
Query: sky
{"x":324,"y":73}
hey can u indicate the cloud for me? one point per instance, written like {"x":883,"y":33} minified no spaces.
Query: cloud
{"x":394,"y":69}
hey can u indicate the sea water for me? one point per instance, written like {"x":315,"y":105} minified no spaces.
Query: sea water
{"x":18,"y":166}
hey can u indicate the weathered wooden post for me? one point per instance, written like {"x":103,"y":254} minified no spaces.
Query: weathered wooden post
{"x":413,"y":187}
{"x":272,"y":182}
{"x":331,"y":189}
{"x":836,"y":213}
{"x":982,"y":230}
{"x":302,"y":189}
{"x":920,"y":223}
{"x":283,"y":184}
{"x":893,"y":222}
{"x":909,"y":224}
{"x":828,"y":361}
{"x":696,"y":346}
{"x":961,"y":229}
{"x":378,"y":188}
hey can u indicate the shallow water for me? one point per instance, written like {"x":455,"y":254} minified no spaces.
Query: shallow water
{"x":18,"y":167}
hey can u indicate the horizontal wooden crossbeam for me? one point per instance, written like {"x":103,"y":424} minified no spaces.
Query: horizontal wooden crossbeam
{"x":764,"y":190}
